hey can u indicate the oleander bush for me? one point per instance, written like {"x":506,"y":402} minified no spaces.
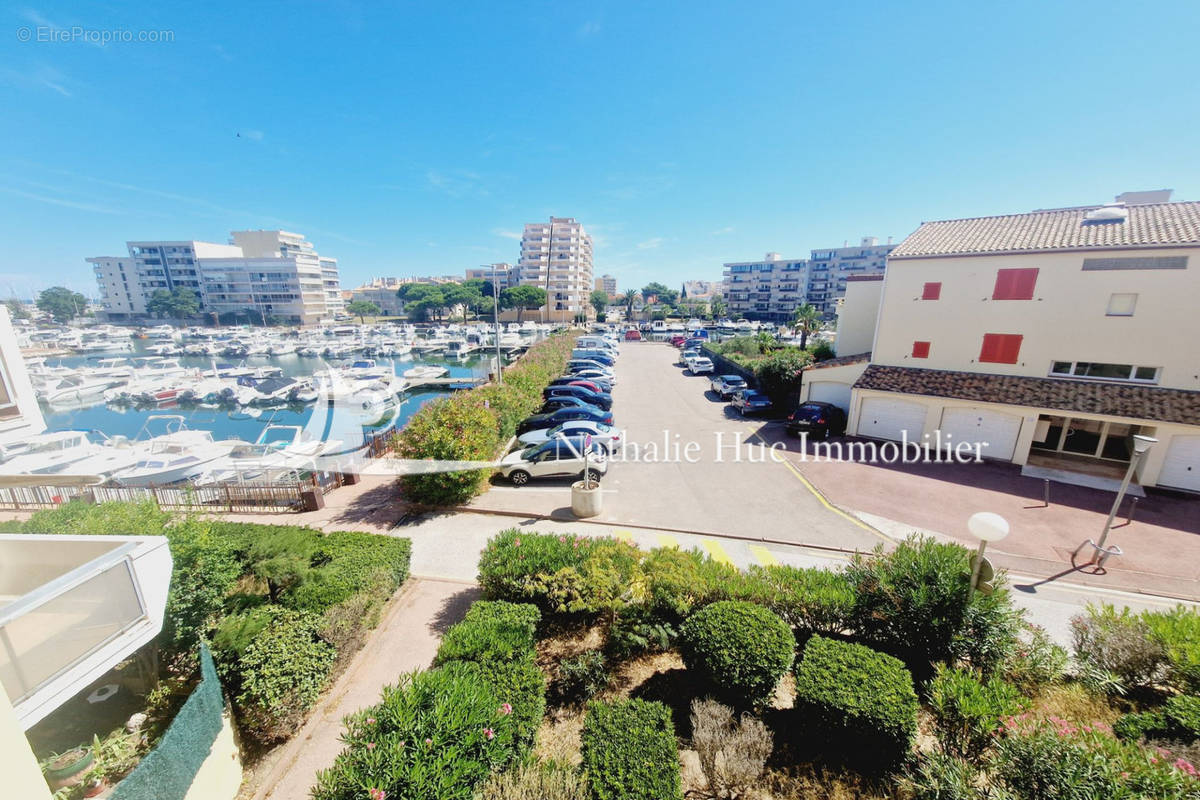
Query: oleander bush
{"x":742,"y":649}
{"x":1036,"y":661}
{"x":1178,"y":633}
{"x":486,"y":638}
{"x":914,"y":602}
{"x":860,"y":699}
{"x":629,"y":751}
{"x":968,"y":709}
{"x":937,"y":776}
{"x":439,"y":733}
{"x":473,"y":425}
{"x":1041,"y":759}
{"x":1116,"y":650}
{"x":581,"y":677}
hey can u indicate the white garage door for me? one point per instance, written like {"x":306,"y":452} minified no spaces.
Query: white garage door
{"x":831,"y":392}
{"x":1181,"y":465}
{"x":884,"y":418}
{"x":976,"y":425}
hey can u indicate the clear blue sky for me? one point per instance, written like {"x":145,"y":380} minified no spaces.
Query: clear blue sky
{"x":418,"y":140}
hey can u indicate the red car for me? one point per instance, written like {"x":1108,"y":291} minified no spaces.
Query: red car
{"x":587,"y":385}
{"x":677,"y":341}
{"x":633,"y":336}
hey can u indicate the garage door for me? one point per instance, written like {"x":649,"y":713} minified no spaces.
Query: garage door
{"x":976,"y":425}
{"x":1181,"y":465}
{"x":884,"y":418}
{"x":832,"y":392}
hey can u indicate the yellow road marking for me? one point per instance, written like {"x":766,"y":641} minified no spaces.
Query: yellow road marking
{"x":667,"y":540}
{"x":623,"y":535}
{"x":829,"y":506}
{"x":717,"y":552}
{"x":762,"y":555}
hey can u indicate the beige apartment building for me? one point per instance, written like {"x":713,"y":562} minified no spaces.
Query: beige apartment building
{"x":1054,"y":336}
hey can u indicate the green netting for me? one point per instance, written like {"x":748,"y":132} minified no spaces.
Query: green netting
{"x":167,"y":772}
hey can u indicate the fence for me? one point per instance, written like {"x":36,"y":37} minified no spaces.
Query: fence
{"x":167,"y":771}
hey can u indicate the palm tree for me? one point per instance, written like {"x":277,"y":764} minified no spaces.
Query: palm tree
{"x":807,"y":320}
{"x":628,"y":299}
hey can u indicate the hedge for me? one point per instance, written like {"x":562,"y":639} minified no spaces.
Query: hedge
{"x":742,"y":649}
{"x":629,"y":751}
{"x":1178,"y":719}
{"x":1178,"y":632}
{"x":862,"y":698}
{"x":473,"y":425}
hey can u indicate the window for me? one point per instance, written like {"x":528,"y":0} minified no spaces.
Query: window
{"x":1015,"y":284}
{"x":1001,"y":348}
{"x":933,"y":291}
{"x":920,"y":350}
{"x":1105,"y":372}
{"x":1121,"y":305}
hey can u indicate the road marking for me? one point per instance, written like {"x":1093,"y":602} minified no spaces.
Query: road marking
{"x":623,"y":535}
{"x":829,"y":506}
{"x":762,"y":555}
{"x":667,"y":540}
{"x":717,"y":552}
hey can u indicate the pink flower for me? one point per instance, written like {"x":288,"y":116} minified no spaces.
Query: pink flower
{"x":562,"y":539}
{"x":1185,"y":766}
{"x":377,"y":794}
{"x":1124,"y":774}
{"x":370,"y":745}
{"x":489,"y":733}
{"x":516,"y":542}
{"x":402,"y":743}
{"x":506,"y":708}
{"x":370,"y":720}
{"x":429,"y":742}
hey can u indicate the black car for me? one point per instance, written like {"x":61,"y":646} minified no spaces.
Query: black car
{"x":597,"y":399}
{"x":817,"y":419}
{"x":552,"y":418}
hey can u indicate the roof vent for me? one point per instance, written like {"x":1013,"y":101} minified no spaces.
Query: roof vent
{"x":1112,"y":212}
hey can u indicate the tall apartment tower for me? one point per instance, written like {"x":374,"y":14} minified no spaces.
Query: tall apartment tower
{"x":127,"y":283}
{"x":829,"y":269}
{"x":557,"y":256}
{"x":285,"y":244}
{"x":607,"y":284}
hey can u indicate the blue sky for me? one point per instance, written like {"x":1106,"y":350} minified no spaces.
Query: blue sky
{"x":418,"y":140}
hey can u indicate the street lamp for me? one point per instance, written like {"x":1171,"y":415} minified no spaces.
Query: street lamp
{"x":1141,"y":446}
{"x":496,"y":317}
{"x":985,"y":526}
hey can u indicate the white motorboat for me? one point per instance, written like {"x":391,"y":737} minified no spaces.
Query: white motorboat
{"x":175,"y":457}
{"x":75,"y":388}
{"x":280,"y":451}
{"x":425,"y":372}
{"x":46,"y":453}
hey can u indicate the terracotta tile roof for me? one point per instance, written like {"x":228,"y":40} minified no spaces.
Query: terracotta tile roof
{"x":1091,"y":397}
{"x":1154,"y":225}
{"x":840,"y":361}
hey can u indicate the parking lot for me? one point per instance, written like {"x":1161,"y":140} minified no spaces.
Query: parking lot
{"x":691,"y":464}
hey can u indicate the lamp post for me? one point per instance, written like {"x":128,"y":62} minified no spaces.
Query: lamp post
{"x":985,"y":526}
{"x":1141,"y":446}
{"x":496,"y":317}
{"x":549,"y":264}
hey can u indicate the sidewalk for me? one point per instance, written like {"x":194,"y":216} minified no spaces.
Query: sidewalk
{"x":406,"y":640}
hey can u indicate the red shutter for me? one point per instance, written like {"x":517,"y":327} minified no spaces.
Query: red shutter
{"x":920,"y":350}
{"x":933,"y":291}
{"x":1001,"y":348}
{"x":1015,"y":284}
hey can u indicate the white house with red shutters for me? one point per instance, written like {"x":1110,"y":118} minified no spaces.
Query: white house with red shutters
{"x":1053,"y":336}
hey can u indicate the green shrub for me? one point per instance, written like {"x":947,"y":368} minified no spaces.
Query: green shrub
{"x":861,"y":698}
{"x":349,"y":562}
{"x":1178,"y":633}
{"x":636,"y":631}
{"x":778,"y":373}
{"x":629,"y":751}
{"x":1182,"y":714}
{"x":522,"y":567}
{"x":237,"y":632}
{"x":1116,"y":648}
{"x":437,"y":734}
{"x":522,"y":685}
{"x":1136,"y":726}
{"x":485,"y":641}
{"x":968,"y":709}
{"x":741,"y":648}
{"x":1053,"y":759}
{"x":281,"y":674}
{"x":913,"y":602}
{"x":674,"y":582}
{"x":583,"y":676}
{"x":1036,"y":661}
{"x":937,"y":776}
{"x":810,"y":600}
{"x":102,"y":519}
{"x":523,"y":615}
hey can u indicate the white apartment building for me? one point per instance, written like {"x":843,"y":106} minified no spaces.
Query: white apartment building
{"x":771,"y":289}
{"x":260,"y":273}
{"x":20,"y":414}
{"x":607,"y":284}
{"x":381,"y":292}
{"x":1053,"y":336}
{"x":557,"y":257}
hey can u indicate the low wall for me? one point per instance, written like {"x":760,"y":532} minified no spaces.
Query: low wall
{"x":723,"y":366}
{"x":196,"y":757}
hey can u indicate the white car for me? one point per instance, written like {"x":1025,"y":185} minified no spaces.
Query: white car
{"x":700,"y":365}
{"x":606,"y":436}
{"x":588,"y":373}
{"x":557,"y":458}
{"x":725,"y":385}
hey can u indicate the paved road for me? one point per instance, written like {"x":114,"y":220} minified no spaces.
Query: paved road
{"x":693,"y":465}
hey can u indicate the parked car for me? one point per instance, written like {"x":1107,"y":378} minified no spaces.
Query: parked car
{"x":750,"y":401}
{"x":597,"y":399}
{"x":587,"y":363}
{"x":598,"y":356}
{"x":817,"y":419}
{"x":563,"y":401}
{"x":677,"y":341}
{"x":701,"y":365}
{"x":633,"y":336}
{"x":606,"y":436}
{"x":571,"y":380}
{"x":597,"y":376}
{"x":569,"y":414}
{"x":556,"y":458}
{"x":686,"y":355}
{"x":725,"y":385}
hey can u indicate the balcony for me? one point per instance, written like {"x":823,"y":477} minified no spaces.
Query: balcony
{"x":71,"y":608}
